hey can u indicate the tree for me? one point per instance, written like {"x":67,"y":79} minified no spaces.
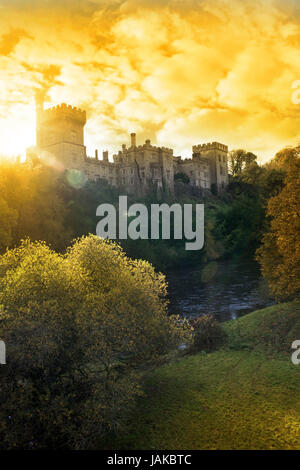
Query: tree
{"x":182,"y":177}
{"x":285,"y":158}
{"x":239,"y":159}
{"x":79,"y":330}
{"x":279,"y":254}
{"x":32,"y":194}
{"x":8,"y":220}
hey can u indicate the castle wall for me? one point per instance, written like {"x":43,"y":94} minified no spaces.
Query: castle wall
{"x":197,"y":169}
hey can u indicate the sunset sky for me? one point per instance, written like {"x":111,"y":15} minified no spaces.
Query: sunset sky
{"x":180,"y":72}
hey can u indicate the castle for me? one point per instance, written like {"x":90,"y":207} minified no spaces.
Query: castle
{"x":137,"y":168}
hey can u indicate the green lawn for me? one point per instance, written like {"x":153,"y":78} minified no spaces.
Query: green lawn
{"x":245,"y":396}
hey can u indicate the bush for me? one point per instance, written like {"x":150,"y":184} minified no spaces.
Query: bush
{"x":79,"y":329}
{"x":208,"y":334}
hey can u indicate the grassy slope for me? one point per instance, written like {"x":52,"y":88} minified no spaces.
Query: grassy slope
{"x":246,"y":396}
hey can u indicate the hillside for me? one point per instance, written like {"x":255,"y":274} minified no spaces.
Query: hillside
{"x":245,"y":396}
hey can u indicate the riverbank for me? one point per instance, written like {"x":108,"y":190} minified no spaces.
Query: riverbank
{"x":245,"y":396}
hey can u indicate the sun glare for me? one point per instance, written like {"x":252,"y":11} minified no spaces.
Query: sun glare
{"x":17,"y":134}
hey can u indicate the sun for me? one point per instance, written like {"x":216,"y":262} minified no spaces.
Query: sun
{"x":17,"y":133}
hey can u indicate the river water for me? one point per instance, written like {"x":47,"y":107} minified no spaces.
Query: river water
{"x":224,"y":289}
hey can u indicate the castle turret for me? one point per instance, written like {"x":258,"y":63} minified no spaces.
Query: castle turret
{"x":217,"y":155}
{"x":60,"y":134}
{"x":133,"y":139}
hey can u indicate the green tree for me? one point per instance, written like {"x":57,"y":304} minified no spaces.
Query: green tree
{"x":79,"y":329}
{"x":239,"y":159}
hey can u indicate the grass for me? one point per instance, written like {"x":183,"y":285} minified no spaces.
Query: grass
{"x":245,"y":396}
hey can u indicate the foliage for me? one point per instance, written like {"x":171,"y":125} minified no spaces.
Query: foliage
{"x":208,"y":334}
{"x":182,"y":177}
{"x":8,"y":220}
{"x":79,"y":330}
{"x":239,"y":160}
{"x":279,"y":254}
{"x":239,"y":226}
{"x":284,"y":159}
{"x":272,"y":329}
{"x":34,"y":206}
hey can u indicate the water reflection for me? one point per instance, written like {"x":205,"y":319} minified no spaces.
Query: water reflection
{"x":225,"y":289}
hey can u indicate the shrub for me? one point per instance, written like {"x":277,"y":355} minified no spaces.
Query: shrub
{"x":208,"y":334}
{"x":79,"y":330}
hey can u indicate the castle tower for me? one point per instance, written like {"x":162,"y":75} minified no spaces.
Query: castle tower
{"x":217,"y":154}
{"x":60,"y":134}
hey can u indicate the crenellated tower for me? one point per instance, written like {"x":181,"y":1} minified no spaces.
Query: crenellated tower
{"x":217,"y":155}
{"x":60,"y":134}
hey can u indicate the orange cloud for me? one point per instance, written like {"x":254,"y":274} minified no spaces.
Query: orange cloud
{"x":178,"y":72}
{"x":9,"y":41}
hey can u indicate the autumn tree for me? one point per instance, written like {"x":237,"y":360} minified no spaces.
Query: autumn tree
{"x":279,"y":254}
{"x":285,"y":158}
{"x":80,"y":329}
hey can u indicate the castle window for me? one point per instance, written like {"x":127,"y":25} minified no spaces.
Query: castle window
{"x":219,"y":158}
{"x":224,"y":159}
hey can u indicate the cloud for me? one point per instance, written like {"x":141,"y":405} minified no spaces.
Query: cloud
{"x":180,"y":72}
{"x":10,"y":40}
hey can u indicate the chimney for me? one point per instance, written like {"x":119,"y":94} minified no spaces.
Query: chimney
{"x":105,"y":156}
{"x":96,"y":154}
{"x":133,"y":139}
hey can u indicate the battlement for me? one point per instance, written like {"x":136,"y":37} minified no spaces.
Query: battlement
{"x":209,"y":146}
{"x":154,"y":148}
{"x":63,"y":110}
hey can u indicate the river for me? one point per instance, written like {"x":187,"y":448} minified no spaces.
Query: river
{"x":225,"y":289}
